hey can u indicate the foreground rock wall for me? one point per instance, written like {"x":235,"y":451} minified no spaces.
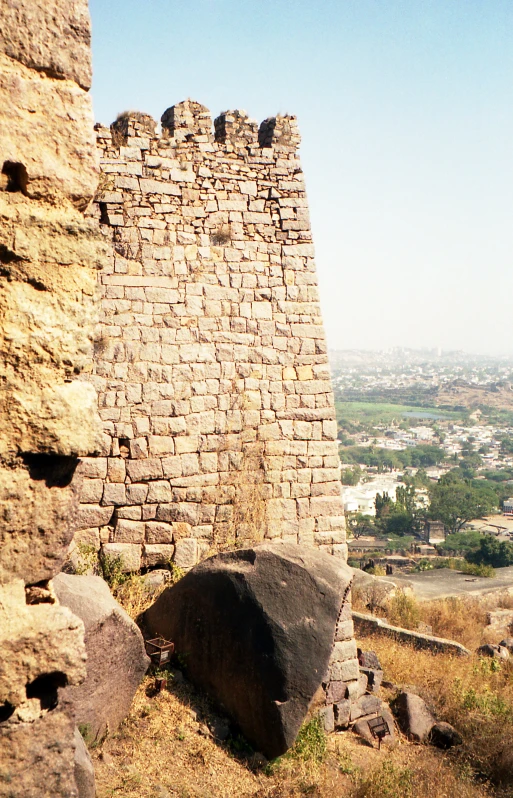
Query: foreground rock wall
{"x":49,"y":256}
{"x":210,"y":362}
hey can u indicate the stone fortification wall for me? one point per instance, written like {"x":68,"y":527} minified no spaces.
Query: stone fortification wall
{"x":211,"y":363}
{"x":49,"y":256}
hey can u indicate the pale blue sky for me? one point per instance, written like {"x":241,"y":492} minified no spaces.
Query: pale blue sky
{"x":406,"y":112}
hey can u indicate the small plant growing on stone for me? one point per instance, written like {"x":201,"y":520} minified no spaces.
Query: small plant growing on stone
{"x":112,"y":569}
{"x":87,"y":560}
{"x":221,"y":235}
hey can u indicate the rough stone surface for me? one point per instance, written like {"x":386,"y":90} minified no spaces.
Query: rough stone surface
{"x":362,"y":728}
{"x":116,"y":658}
{"x":257,"y":628}
{"x":57,"y":151}
{"x":84,"y":770}
{"x":49,"y":257}
{"x":489,"y":650}
{"x":211,"y":362}
{"x":53,"y":37}
{"x":38,"y":758}
{"x":414,"y":717}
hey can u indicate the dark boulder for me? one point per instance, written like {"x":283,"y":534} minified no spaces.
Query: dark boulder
{"x":507,"y":643}
{"x":443,"y":735}
{"x":374,"y":678}
{"x":116,"y":658}
{"x":489,"y":650}
{"x":256,"y":629}
{"x":413,"y":716}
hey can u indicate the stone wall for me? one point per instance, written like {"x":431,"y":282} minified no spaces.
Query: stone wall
{"x":210,"y":362}
{"x":49,"y":256}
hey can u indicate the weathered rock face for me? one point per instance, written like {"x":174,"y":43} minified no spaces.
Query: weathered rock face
{"x":49,"y":256}
{"x":116,"y":658}
{"x":84,"y":770}
{"x":256,"y":627}
{"x":414,"y":717}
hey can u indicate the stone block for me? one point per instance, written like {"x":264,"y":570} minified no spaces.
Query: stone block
{"x":128,"y":554}
{"x":342,"y":714}
{"x":93,"y":467}
{"x":158,"y":532}
{"x":92,"y":515}
{"x":136,"y":493}
{"x":114,"y":493}
{"x":129,"y":531}
{"x":159,"y":492}
{"x":157,"y":554}
{"x":343,"y":650}
{"x":345,"y":630}
{"x":91,"y":491}
{"x":116,"y":469}
{"x":141,"y":470}
{"x":344,"y":671}
{"x":328,"y":718}
{"x":161,"y":444}
{"x":186,"y":553}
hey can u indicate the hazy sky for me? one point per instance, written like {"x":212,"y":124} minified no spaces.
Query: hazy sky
{"x":406,"y":112}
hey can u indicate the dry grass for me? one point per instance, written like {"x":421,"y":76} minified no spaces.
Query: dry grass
{"x":474,"y":694}
{"x":161,"y":751}
{"x":463,"y":619}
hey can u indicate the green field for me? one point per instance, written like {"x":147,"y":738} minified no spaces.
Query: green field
{"x":378,"y":413}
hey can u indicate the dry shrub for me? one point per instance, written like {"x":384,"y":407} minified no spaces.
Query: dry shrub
{"x":461,"y":619}
{"x":420,"y":775}
{"x":247,"y":524}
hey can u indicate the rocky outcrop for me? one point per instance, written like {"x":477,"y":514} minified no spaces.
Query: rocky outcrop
{"x":256,"y":629}
{"x":84,"y":770}
{"x":49,"y":257}
{"x":116,"y":657}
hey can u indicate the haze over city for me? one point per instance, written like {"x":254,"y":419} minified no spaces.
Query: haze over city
{"x":406,"y":114}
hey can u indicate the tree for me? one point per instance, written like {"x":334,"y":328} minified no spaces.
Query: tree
{"x":351,"y":476}
{"x":359,"y":524}
{"x":405,"y":499}
{"x":455,"y":501}
{"x":497,"y":553}
{"x":398,"y":522}
{"x":383,"y":504}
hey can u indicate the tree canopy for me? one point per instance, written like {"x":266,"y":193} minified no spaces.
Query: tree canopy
{"x":455,"y":501}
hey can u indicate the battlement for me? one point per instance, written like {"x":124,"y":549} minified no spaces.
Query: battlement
{"x":189,"y":122}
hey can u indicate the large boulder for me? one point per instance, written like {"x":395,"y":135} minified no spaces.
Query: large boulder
{"x":414,"y":717}
{"x":116,"y":658}
{"x":256,"y":629}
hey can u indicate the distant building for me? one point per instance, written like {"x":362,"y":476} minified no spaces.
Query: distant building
{"x":434,"y":530}
{"x":507,"y":506}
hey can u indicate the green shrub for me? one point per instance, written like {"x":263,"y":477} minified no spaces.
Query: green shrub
{"x":403,"y":610}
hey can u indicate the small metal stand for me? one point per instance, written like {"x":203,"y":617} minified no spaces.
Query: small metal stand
{"x":160,"y":651}
{"x":379,"y":729}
